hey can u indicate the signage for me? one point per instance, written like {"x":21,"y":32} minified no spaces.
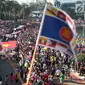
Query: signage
{"x":79,"y":8}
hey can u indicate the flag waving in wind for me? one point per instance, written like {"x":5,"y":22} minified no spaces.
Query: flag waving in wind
{"x":9,"y":44}
{"x":56,"y":27}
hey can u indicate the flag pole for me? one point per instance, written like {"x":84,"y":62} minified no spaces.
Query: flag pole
{"x":34,"y":54}
{"x":13,"y":66}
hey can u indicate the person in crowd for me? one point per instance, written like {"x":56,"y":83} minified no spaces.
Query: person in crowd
{"x":78,"y":65}
{"x":61,"y":78}
{"x":73,"y":63}
{"x":58,"y":72}
{"x":16,"y":79}
{"x":6,"y":80}
{"x":0,"y":80}
{"x":21,"y":72}
{"x":12,"y":78}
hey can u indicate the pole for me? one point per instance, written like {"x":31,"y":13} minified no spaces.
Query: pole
{"x":83,"y":1}
{"x":32,"y":62}
{"x":83,"y":26}
{"x":34,"y":54}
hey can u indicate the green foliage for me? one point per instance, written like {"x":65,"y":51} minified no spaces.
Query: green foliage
{"x":69,"y":8}
{"x":37,"y":6}
{"x":11,"y":9}
{"x":81,"y":57}
{"x":57,"y":3}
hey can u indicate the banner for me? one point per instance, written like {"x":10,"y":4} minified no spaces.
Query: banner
{"x":9,"y":44}
{"x":57,"y":30}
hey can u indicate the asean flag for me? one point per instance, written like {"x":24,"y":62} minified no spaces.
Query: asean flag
{"x":9,"y":44}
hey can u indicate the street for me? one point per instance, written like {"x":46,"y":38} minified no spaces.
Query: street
{"x":5,"y":69}
{"x":75,"y":80}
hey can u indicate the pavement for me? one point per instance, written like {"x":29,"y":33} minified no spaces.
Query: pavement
{"x":75,"y":80}
{"x":77,"y":74}
{"x":5,"y":69}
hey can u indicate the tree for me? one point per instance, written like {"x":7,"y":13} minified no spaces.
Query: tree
{"x":13,"y":8}
{"x":2,"y":8}
{"x":81,"y":57}
{"x":16,"y":9}
{"x":69,"y":8}
{"x":57,"y":3}
{"x":9,"y":6}
{"x":25,"y":10}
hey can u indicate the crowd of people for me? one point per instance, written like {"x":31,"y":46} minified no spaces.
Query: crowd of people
{"x":50,"y":66}
{"x":6,"y":27}
{"x":80,"y":47}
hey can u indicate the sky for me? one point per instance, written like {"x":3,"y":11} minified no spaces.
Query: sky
{"x":27,"y":1}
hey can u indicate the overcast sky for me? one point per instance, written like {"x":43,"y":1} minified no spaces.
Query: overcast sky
{"x":25,"y":1}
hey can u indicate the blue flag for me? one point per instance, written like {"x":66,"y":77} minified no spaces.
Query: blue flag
{"x":57,"y":29}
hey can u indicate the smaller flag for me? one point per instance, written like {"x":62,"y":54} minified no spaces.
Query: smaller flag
{"x":9,"y":44}
{"x":51,"y":43}
{"x":68,"y":19}
{"x":43,"y":40}
{"x":52,"y":11}
{"x":61,"y":15}
{"x":71,"y":24}
{"x":61,"y":44}
{"x":17,"y":32}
